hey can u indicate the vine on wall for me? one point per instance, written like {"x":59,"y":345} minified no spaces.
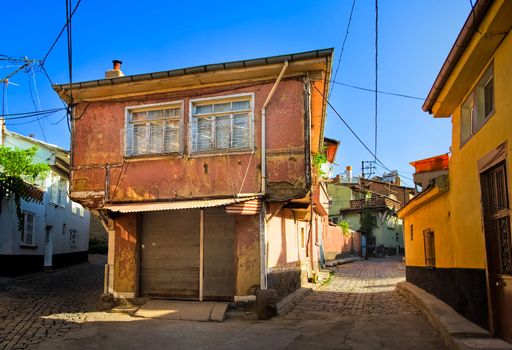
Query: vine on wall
{"x":16,"y":167}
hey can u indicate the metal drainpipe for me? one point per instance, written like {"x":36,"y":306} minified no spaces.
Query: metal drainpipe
{"x":263,"y":131}
{"x":263,"y":221}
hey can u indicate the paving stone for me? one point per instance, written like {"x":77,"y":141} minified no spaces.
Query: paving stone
{"x":47,"y":305}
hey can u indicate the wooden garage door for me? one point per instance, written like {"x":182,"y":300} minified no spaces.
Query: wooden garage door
{"x":170,"y":254}
{"x":219,"y":254}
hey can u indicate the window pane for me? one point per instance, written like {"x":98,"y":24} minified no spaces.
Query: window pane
{"x":241,"y":105}
{"x":139,"y":139}
{"x":158,"y":114}
{"x":139,"y":116}
{"x":489,"y":97}
{"x":203,"y":109}
{"x":223,"y":132}
{"x":466,"y":120}
{"x":171,"y":137}
{"x":156,"y":134}
{"x":222,"y":107}
{"x":203,"y":134}
{"x":174,"y":112}
{"x":241,"y":136}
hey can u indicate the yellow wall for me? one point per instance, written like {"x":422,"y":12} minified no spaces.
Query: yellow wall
{"x":459,"y":236}
{"x":469,"y":250}
{"x":436,"y":216}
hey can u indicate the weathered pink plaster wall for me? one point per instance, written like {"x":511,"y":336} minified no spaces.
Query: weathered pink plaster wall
{"x":98,"y":140}
{"x":336,"y":244}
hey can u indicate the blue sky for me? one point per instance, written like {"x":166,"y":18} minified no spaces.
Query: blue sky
{"x":414,"y":40}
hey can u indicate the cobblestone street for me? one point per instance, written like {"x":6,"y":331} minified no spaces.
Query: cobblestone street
{"x":361,"y":288}
{"x":357,"y":310}
{"x":47,"y":305}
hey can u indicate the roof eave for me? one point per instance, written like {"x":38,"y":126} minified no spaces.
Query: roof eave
{"x":470,"y":26}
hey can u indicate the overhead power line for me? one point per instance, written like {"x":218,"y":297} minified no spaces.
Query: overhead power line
{"x":378,"y":91}
{"x":377,"y":160}
{"x":38,"y":119}
{"x":68,"y":19}
{"x":376,"y":72}
{"x":24,"y":115}
{"x":343,"y":44}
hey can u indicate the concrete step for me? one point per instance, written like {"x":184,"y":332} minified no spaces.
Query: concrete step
{"x":183,"y":310}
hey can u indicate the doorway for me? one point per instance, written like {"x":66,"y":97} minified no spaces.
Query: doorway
{"x":48,"y":247}
{"x":496,"y":206}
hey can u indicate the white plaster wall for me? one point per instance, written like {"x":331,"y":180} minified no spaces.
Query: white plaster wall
{"x":46,"y":213}
{"x":10,"y":237}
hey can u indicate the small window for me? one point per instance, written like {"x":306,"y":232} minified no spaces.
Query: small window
{"x":77,"y":209}
{"x":58,"y":190}
{"x":221,"y":125}
{"x":478,"y":106}
{"x":154,"y":130}
{"x":27,"y":235}
{"x":73,"y":238}
{"x":429,"y":246}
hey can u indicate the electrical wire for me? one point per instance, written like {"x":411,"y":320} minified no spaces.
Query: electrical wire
{"x":378,"y":91}
{"x":377,"y":160}
{"x":70,"y":60}
{"x":24,"y":115}
{"x":37,"y":105}
{"x":38,"y":119}
{"x":376,"y":73}
{"x":68,"y":18}
{"x":343,"y":44}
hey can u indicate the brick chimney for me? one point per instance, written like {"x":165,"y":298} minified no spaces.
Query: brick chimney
{"x":115,"y":72}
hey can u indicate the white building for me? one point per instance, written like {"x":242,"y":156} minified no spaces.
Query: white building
{"x":56,"y":230}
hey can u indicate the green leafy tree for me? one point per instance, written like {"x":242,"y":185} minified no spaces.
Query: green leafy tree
{"x":345,"y":227}
{"x":16,"y":167}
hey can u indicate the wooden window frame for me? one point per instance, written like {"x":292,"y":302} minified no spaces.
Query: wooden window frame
{"x":476,"y":104}
{"x":429,"y":244}
{"x":218,"y":100}
{"x":129,"y":110}
{"x":23,"y":237}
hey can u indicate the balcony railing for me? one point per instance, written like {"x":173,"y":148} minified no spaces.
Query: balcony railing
{"x":374,"y":202}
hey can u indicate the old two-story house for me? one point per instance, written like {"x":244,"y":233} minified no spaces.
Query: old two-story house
{"x":458,"y":234}
{"x":204,"y":176}
{"x":56,"y":229}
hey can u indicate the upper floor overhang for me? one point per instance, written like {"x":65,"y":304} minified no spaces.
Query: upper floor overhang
{"x":484,"y":30}
{"x":317,"y":64}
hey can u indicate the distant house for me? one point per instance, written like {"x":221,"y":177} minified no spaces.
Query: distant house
{"x":56,"y":230}
{"x":204,"y":175}
{"x":369,"y":206}
{"x":458,"y":232}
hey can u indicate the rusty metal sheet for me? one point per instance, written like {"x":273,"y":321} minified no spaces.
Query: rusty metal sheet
{"x":142,"y":207}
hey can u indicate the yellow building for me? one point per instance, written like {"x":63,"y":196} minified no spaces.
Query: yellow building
{"x":457,"y":231}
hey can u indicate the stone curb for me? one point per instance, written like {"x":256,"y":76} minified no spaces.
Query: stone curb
{"x":332,"y":263}
{"x":457,"y":332}
{"x":290,"y":301}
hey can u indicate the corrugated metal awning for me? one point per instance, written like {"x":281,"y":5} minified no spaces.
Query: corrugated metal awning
{"x":157,"y":206}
